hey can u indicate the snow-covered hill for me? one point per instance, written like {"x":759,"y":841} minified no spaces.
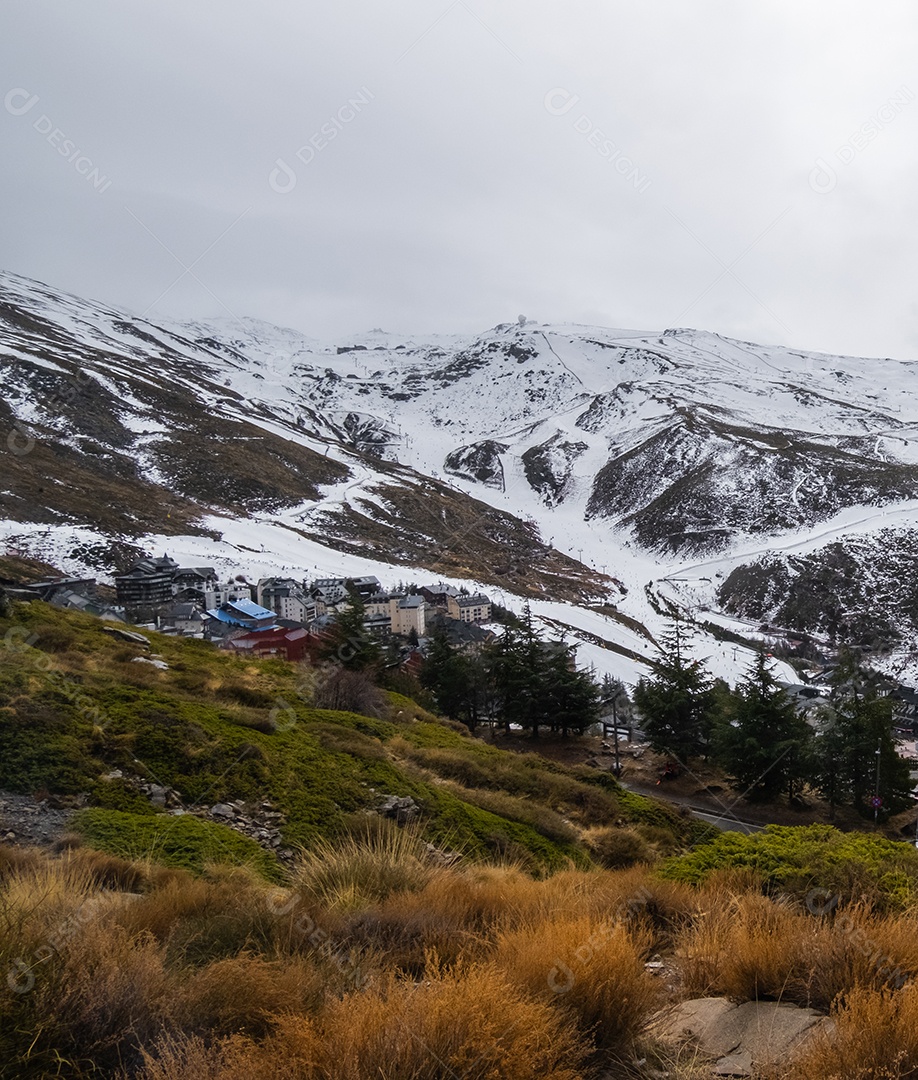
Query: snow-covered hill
{"x":567,"y":463}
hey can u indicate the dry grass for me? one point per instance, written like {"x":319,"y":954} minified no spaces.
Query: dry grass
{"x":242,"y":994}
{"x":378,"y":964}
{"x":875,"y":1037}
{"x":469,"y":1023}
{"x":363,"y":869}
{"x":589,"y":967}
{"x":752,"y":947}
{"x":618,"y":848}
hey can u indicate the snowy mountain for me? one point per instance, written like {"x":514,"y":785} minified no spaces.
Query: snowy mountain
{"x":565,"y":463}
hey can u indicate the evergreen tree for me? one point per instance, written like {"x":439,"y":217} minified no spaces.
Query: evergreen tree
{"x":765,"y":744}
{"x":856,"y":756}
{"x":516,"y":671}
{"x":348,"y":643}
{"x":569,"y":700}
{"x":446,"y":675}
{"x":677,"y":702}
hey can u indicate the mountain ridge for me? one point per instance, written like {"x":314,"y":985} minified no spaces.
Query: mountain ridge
{"x":500,"y":457}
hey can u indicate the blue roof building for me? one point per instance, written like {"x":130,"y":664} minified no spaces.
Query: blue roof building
{"x":244,"y":613}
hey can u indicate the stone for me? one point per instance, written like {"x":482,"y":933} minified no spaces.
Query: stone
{"x":701,"y":1020}
{"x":740,"y":1037}
{"x":222,"y":810}
{"x":770,"y":1030}
{"x":403,"y":809}
{"x":157,"y":795}
{"x":738,"y":1064}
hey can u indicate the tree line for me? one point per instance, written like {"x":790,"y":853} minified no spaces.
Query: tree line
{"x":517,"y":679}
{"x":755,"y":733}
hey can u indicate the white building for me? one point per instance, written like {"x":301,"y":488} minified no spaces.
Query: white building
{"x":475,"y":609}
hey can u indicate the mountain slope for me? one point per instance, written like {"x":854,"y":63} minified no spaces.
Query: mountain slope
{"x":558,"y":462}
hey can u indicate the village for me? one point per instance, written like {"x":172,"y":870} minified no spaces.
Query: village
{"x":284,"y":617}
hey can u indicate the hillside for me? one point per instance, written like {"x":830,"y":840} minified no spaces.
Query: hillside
{"x":88,"y":719}
{"x":252,"y":887}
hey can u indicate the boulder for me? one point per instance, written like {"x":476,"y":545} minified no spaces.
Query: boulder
{"x":739,"y":1038}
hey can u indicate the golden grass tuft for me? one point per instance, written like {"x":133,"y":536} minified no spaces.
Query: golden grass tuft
{"x":751,"y":947}
{"x":364,"y":868}
{"x":470,"y":1023}
{"x":241,"y":994}
{"x":590,"y":967}
{"x":874,"y":1037}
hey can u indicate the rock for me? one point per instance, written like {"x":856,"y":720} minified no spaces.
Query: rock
{"x":223,"y":810}
{"x":738,"y":1064}
{"x":440,"y":857}
{"x":740,"y":1037}
{"x":403,"y":809}
{"x":771,"y":1031}
{"x":127,"y":635}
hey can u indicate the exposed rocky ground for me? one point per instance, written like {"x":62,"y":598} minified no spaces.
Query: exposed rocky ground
{"x":27,"y":821}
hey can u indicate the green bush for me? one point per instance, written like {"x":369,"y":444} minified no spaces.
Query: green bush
{"x":796,"y":859}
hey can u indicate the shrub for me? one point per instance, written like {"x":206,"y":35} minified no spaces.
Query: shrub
{"x":798,"y":858}
{"x":363,"y":869}
{"x":348,"y":691}
{"x":617,"y":849}
{"x":590,"y":967}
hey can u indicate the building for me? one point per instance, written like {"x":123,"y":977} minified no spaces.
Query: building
{"x":228,"y":593}
{"x":148,"y":583}
{"x":330,"y":595}
{"x":46,"y":590}
{"x":377,"y":604}
{"x":287,"y":598}
{"x":363,"y":586}
{"x":190,"y":583}
{"x":237,"y":615}
{"x":475,"y":608}
{"x":438,"y":594}
{"x":185,"y":618}
{"x":286,"y":643}
{"x":407,"y":613}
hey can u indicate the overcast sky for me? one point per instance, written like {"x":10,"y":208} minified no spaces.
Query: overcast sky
{"x":444,"y":165}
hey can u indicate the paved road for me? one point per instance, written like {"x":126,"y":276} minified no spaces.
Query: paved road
{"x":723,"y":818}
{"x":729,"y":824}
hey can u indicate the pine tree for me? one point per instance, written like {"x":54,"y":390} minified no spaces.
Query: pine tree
{"x":446,"y":675}
{"x":348,"y":643}
{"x":516,"y":670}
{"x":677,"y":703}
{"x":765,"y":744}
{"x":855,"y":752}
{"x":570,"y":699}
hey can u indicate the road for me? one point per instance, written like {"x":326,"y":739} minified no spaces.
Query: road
{"x":725,"y":819}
